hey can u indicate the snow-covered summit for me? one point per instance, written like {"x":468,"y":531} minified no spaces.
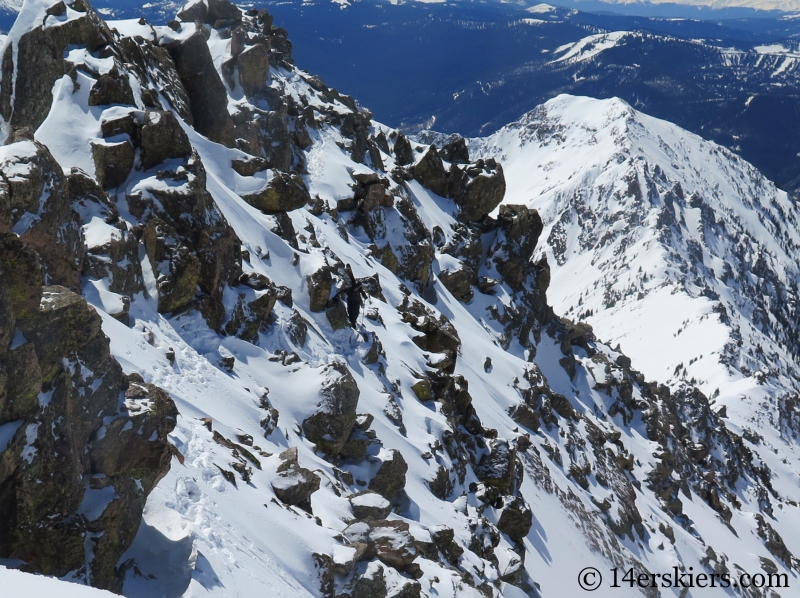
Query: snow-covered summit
{"x":670,"y":245}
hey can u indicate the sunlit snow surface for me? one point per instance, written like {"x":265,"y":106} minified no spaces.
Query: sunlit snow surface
{"x":630,"y":205}
{"x":25,"y":585}
{"x":202,"y":536}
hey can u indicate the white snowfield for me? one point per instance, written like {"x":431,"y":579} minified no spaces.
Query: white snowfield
{"x":15,"y":584}
{"x":650,"y":227}
{"x":616,"y":262}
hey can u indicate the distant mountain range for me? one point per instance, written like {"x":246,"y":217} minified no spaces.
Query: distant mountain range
{"x":474,"y":68}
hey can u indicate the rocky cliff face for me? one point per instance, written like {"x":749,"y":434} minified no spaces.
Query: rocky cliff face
{"x":205,"y":196}
{"x":83,"y":444}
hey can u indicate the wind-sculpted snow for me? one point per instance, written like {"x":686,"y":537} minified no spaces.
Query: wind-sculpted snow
{"x":463,"y":440}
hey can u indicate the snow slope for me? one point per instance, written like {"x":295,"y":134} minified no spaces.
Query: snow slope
{"x":617,"y":472}
{"x":666,"y":243}
{"x":16,"y":583}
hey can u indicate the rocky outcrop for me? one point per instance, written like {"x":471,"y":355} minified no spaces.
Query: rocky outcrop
{"x":264,"y":134}
{"x":35,"y":203}
{"x":370,"y":505}
{"x":330,"y":427}
{"x":390,"y":478}
{"x":497,"y":467}
{"x":320,"y":284}
{"x":253,"y":68}
{"x":59,"y":377}
{"x":28,"y":72}
{"x":199,"y":228}
{"x":430,"y":172}
{"x":212,"y":12}
{"x":403,"y":152}
{"x":284,"y":192}
{"x":294,"y":485}
{"x":476,"y":188}
{"x":389,"y":541}
{"x":248,"y":318}
{"x":209,"y":100}
{"x":113,"y":162}
{"x":438,"y":334}
{"x":111,"y":88}
{"x":513,"y":249}
{"x":516,"y":518}
{"x":162,"y":138}
{"x":176,"y":268}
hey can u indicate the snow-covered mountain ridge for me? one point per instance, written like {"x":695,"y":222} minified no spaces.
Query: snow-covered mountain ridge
{"x":669,"y":244}
{"x":203,"y":196}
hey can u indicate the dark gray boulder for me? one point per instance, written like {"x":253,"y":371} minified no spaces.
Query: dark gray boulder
{"x":390,"y":478}
{"x":253,"y":67}
{"x":430,"y":172}
{"x":113,"y":162}
{"x":370,"y":504}
{"x":283,"y":193}
{"x":207,"y":96}
{"x":330,"y":427}
{"x":162,"y":138}
{"x":293,"y":485}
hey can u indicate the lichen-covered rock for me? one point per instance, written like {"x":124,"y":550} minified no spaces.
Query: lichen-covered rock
{"x":330,"y":427}
{"x":293,"y":485}
{"x":253,"y":67}
{"x":264,"y":134}
{"x":337,"y":315}
{"x":162,"y":138}
{"x":390,"y":478}
{"x":515,"y":519}
{"x":320,"y":284}
{"x":63,"y":380}
{"x":430,"y":172}
{"x":403,"y":153}
{"x":111,"y":88}
{"x":22,"y":276}
{"x":208,"y":98}
{"x":249,"y":166}
{"x":32,"y":183}
{"x":113,"y":162}
{"x":284,"y":192}
{"x":185,"y":204}
{"x":28,"y":72}
{"x":369,"y":582}
{"x":176,"y":268}
{"x":497,"y":467}
{"x":370,"y":505}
